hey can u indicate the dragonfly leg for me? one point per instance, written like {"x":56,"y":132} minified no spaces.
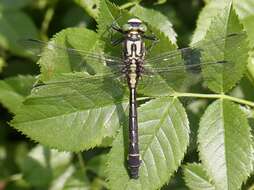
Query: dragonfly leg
{"x":116,"y":28}
{"x":152,"y":38}
{"x":114,"y":25}
{"x":117,"y":41}
{"x":126,"y":68}
{"x":140,"y":68}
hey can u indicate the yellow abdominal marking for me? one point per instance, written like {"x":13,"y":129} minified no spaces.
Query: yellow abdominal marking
{"x":133,"y":75}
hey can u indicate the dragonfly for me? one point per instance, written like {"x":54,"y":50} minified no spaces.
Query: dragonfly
{"x":135,"y":64}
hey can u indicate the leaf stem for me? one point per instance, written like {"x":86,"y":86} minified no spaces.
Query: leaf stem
{"x":214,"y":96}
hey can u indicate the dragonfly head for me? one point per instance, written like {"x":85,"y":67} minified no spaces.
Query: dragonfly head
{"x":134,"y":24}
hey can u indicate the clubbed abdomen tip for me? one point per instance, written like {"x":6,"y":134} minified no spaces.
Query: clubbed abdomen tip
{"x":134,"y":173}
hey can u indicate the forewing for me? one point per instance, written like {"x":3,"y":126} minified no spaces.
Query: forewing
{"x":64,"y":58}
{"x":179,"y":67}
{"x":192,"y":55}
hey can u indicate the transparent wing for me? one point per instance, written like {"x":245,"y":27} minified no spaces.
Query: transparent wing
{"x":170,"y":69}
{"x":78,"y":60}
{"x":190,"y":58}
{"x":86,"y":89}
{"x":35,"y":44}
{"x":193,"y":55}
{"x":180,"y":68}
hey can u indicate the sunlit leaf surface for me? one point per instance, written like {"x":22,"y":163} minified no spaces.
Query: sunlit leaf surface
{"x":225,"y":145}
{"x":196,"y":177}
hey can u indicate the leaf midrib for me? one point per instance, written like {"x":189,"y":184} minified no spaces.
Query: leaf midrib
{"x":157,"y":127}
{"x":224,"y":138}
{"x":199,"y":177}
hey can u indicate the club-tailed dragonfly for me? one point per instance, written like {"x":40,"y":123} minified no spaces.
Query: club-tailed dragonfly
{"x":143,"y":71}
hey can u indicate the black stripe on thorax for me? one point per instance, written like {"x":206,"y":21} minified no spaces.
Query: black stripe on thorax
{"x":134,"y":39}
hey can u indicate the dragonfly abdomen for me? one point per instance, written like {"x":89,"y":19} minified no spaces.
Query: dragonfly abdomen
{"x":134,"y":53}
{"x":133,"y":156}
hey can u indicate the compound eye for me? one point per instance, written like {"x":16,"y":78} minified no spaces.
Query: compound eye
{"x":143,"y":28}
{"x":127,"y":27}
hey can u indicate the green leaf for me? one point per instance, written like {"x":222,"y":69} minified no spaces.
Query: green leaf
{"x":159,"y":2}
{"x":75,"y":16}
{"x":225,"y":145}
{"x":234,"y":51}
{"x":176,"y":182}
{"x":163,"y":84}
{"x":42,"y":165}
{"x":163,"y":140}
{"x":207,"y":1}
{"x":73,"y":116}
{"x":249,"y":112}
{"x":14,"y":90}
{"x":2,"y":64}
{"x":13,"y":4}
{"x":90,"y":6}
{"x":245,"y":9}
{"x":74,"y":181}
{"x":156,"y":20}
{"x":208,"y":13}
{"x":56,"y":60}
{"x":4,"y":169}
{"x":214,"y":9}
{"x":243,"y":90}
{"x":250,"y":67}
{"x":196,"y":177}
{"x":98,"y":165}
{"x":108,"y":13}
{"x":15,"y":26}
{"x":147,"y":86}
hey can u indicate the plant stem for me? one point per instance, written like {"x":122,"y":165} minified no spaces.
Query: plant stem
{"x":214,"y":96}
{"x":127,"y":5}
{"x":47,"y":19}
{"x":81,"y":161}
{"x":14,"y":177}
{"x":250,"y":72}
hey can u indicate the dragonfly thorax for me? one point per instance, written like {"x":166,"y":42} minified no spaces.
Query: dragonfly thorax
{"x":134,"y":52}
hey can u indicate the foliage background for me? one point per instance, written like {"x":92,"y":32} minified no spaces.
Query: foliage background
{"x":26,"y":165}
